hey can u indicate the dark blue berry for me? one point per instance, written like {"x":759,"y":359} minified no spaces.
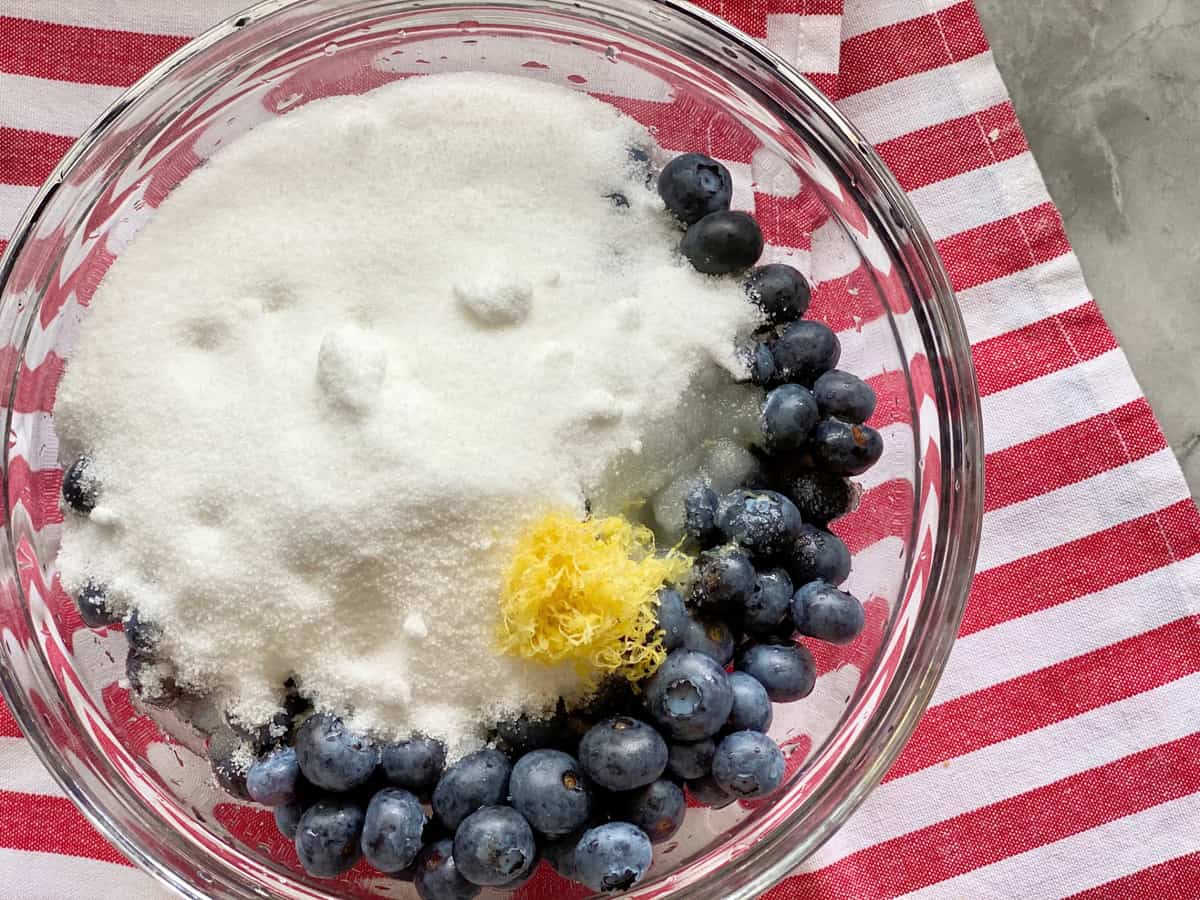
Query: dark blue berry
{"x":844,"y":396}
{"x":437,"y":876}
{"x":478,"y":779}
{"x":763,"y":522}
{"x":700,"y":515}
{"x":821,"y":611}
{"x":751,"y":705}
{"x":277,"y":730}
{"x":287,"y":816}
{"x":656,"y":809}
{"x":805,"y":351}
{"x":845,"y":448}
{"x":694,"y":185}
{"x":414,"y":764}
{"x":673,"y":618}
{"x":690,"y":761}
{"x":526,"y":732}
{"x":789,"y":414}
{"x":272,"y":779}
{"x":818,"y":554}
{"x":494,"y":846}
{"x":780,"y":291}
{"x":820,"y":496}
{"x":612,"y":857}
{"x":142,"y":635}
{"x":723,"y":242}
{"x":689,"y":696}
{"x":622,"y":754}
{"x":152,"y":678}
{"x":548,"y":788}
{"x":92,"y":603}
{"x":787,"y":671}
{"x":327,"y":837}
{"x":225,"y":750}
{"x":768,"y":603}
{"x":724,"y":577}
{"x":711,"y":637}
{"x":81,"y":486}
{"x":748,"y":764}
{"x":761,"y":363}
{"x":392,"y":828}
{"x":707,"y":792}
{"x":332,"y":756}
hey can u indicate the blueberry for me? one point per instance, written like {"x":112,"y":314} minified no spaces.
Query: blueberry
{"x":820,"y":496}
{"x":414,"y":764}
{"x":818,"y":554}
{"x":694,"y":185}
{"x":821,"y":611}
{"x":724,"y":577}
{"x":761,"y":362}
{"x":93,"y":606}
{"x":277,"y":730}
{"x":392,"y":828}
{"x":548,"y":788}
{"x":789,"y":414}
{"x":526,"y":733}
{"x":623,"y":753}
{"x":711,"y":637}
{"x":327,"y":837}
{"x":723,"y":242}
{"x":333,"y":757}
{"x":751,"y":705}
{"x":287,"y":817}
{"x":438,"y":877}
{"x":689,"y":696}
{"x":612,"y":857}
{"x":805,"y":351}
{"x":142,"y":635}
{"x":780,"y":291}
{"x":152,"y":678}
{"x":81,"y":486}
{"x":763,"y":522}
{"x":700,"y":515}
{"x":768,"y":603}
{"x":494,"y":846}
{"x":844,"y":396}
{"x":673,"y":617}
{"x":225,"y":750}
{"x":748,"y":764}
{"x":691,"y":760}
{"x":845,"y":448}
{"x":656,"y":809}
{"x":707,"y":792}
{"x":787,"y":671}
{"x":560,"y":853}
{"x":272,"y":779}
{"x":478,"y":779}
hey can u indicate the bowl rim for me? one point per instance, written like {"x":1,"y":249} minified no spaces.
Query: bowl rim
{"x":960,"y":509}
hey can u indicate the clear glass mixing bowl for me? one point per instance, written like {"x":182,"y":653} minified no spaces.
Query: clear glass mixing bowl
{"x":825,"y":202}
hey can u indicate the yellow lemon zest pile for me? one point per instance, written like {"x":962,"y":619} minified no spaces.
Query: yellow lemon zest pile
{"x":586,"y":592}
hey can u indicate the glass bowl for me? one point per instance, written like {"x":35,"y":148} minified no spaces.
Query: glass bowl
{"x":825,"y":202}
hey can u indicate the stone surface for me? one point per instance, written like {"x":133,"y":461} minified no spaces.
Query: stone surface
{"x":1109,"y":94}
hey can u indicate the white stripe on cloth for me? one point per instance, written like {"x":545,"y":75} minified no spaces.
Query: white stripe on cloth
{"x":13,"y":200}
{"x":143,"y":16}
{"x":1077,"y":510}
{"x":859,"y":18}
{"x":22,"y":771}
{"x":968,"y":201}
{"x":1024,"y":763}
{"x":1014,"y":301}
{"x":29,"y":875}
{"x":1067,"y":630}
{"x":54,"y":107}
{"x":813,"y":42}
{"x":1085,"y":860}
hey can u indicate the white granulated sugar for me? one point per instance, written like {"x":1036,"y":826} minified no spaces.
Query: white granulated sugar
{"x":351,"y":357}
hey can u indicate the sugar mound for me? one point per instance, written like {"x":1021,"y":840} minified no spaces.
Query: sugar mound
{"x":324,"y":411}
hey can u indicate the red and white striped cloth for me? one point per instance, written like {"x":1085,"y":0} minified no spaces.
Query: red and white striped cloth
{"x":1061,"y":756}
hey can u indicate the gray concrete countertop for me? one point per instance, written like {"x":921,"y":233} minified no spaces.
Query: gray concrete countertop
{"x":1109,"y":94}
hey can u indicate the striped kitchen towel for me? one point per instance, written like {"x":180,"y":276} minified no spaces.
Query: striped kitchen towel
{"x":1061,"y":755}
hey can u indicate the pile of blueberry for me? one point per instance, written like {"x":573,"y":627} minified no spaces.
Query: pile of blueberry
{"x":590,"y":790}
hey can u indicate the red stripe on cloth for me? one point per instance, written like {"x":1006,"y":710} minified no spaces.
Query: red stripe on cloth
{"x":1003,"y":247}
{"x":72,"y":53}
{"x":751,"y":15}
{"x":951,"y":148}
{"x":910,"y":47}
{"x":28,"y":157}
{"x":1050,"y":695}
{"x":1071,"y":454}
{"x":44,"y":824}
{"x":1048,"y":345}
{"x":1084,"y":566}
{"x":1175,"y":879}
{"x":8,"y":724}
{"x":1024,"y":822}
